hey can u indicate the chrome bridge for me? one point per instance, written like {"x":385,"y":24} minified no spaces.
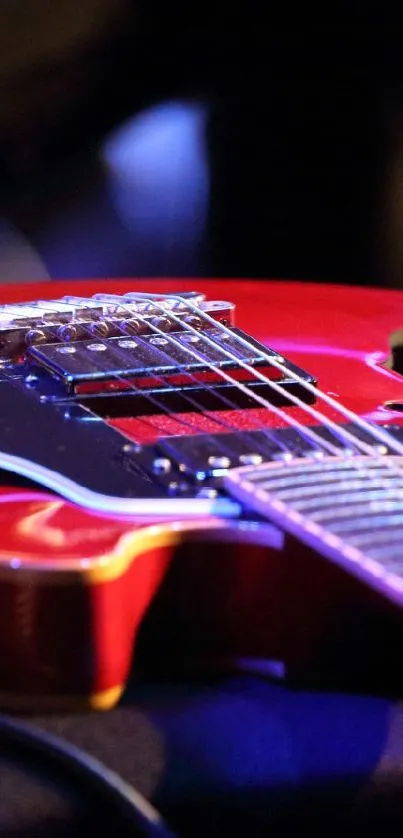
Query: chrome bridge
{"x":72,"y":319}
{"x":109,"y":345}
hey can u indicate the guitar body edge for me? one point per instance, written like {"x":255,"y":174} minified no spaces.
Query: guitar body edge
{"x":83,"y":598}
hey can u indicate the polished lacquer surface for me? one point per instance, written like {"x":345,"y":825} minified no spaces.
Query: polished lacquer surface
{"x":76,"y":587}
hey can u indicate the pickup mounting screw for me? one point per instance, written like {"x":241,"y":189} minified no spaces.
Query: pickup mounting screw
{"x":66,"y":350}
{"x":161,"y":465}
{"x":207,"y":492}
{"x":251,"y":459}
{"x":96,"y":347}
{"x":127,"y":344}
{"x":219,"y":462}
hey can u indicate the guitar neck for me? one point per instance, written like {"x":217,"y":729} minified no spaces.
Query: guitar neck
{"x":349,"y":510}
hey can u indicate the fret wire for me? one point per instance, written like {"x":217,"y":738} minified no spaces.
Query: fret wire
{"x":362,"y":525}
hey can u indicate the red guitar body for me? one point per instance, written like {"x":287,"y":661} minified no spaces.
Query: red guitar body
{"x":83,"y":594}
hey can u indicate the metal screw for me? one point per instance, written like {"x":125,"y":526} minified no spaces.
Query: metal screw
{"x":159,"y":341}
{"x":67,"y":332}
{"x":35,"y":336}
{"x":380,"y":449}
{"x":97,"y":347}
{"x":193,"y":320}
{"x":127,"y":344}
{"x":217,"y":333}
{"x":189,"y":338}
{"x":99,"y":329}
{"x":162,"y":323}
{"x":131,"y":326}
{"x":131,"y":448}
{"x":30,"y":380}
{"x":161,"y":465}
{"x":284,"y":456}
{"x":251,"y":459}
{"x":219,"y":462}
{"x":66,"y":350}
{"x":207,"y":492}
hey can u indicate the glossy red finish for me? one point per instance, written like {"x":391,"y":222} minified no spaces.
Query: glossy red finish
{"x":74,"y":587}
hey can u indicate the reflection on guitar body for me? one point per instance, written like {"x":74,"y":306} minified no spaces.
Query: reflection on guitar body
{"x":174,"y":461}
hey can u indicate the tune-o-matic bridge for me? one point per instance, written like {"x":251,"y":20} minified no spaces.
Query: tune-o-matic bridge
{"x":110,"y":344}
{"x":72,"y":319}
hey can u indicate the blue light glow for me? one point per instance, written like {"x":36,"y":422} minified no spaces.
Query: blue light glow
{"x":158,"y":182}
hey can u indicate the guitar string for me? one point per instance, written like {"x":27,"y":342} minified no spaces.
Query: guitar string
{"x":392,"y":469}
{"x":267,"y":381}
{"x":368,"y":450}
{"x":97,"y":339}
{"x":315,"y":439}
{"x":219,"y":421}
{"x":289,"y":420}
{"x":378,"y":433}
{"x":233,"y":381}
{"x":150,"y":301}
{"x":382,"y":462}
{"x":234,"y":358}
{"x":338,"y":431}
{"x":157,"y":402}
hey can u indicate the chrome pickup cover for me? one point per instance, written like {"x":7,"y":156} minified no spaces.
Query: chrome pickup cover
{"x":152,"y":362}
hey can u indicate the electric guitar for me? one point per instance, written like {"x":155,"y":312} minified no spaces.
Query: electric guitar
{"x":218,"y":476}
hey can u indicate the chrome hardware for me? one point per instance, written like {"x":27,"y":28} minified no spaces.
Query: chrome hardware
{"x":162,"y":465}
{"x":35,"y":336}
{"x":193,"y":320}
{"x":127,"y":343}
{"x":159,"y":341}
{"x":207,"y":492}
{"x":67,"y":332}
{"x":73,"y":318}
{"x":219,"y":463}
{"x":251,"y":459}
{"x":97,"y":347}
{"x":66,"y":350}
{"x":99,"y":329}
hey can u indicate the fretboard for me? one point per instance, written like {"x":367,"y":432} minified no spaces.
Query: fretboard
{"x":350,"y":510}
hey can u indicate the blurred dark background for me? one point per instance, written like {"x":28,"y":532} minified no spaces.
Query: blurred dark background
{"x":170,"y":139}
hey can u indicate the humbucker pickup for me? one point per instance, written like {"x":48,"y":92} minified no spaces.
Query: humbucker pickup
{"x":152,"y":362}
